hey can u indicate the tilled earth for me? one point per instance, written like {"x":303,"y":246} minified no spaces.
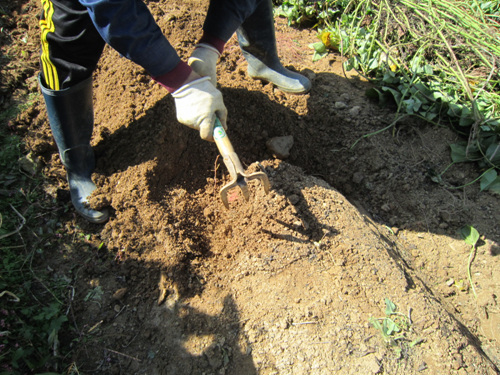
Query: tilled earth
{"x":286,"y":283}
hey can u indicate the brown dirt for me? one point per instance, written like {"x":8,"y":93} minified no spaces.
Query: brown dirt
{"x":287,"y":282}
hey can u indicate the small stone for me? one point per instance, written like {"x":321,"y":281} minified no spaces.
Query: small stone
{"x":141,"y":314}
{"x":119,"y":294}
{"x":29,"y":164}
{"x":422,"y":367}
{"x":340,"y":105}
{"x":207,"y":212}
{"x":354,"y":111}
{"x":358,"y":177}
{"x":280,"y":146}
{"x":284,"y":323}
{"x":457,"y":361}
{"x":386,"y":207}
{"x":450,"y":282}
{"x":117,"y":308}
{"x":345,"y":97}
{"x":294,"y":199}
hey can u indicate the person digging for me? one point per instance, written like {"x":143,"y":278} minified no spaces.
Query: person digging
{"x":73,"y":36}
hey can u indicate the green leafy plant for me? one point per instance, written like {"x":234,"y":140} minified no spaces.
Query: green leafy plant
{"x":94,"y":295}
{"x":330,"y":40}
{"x":394,"y":328}
{"x":428,"y":77}
{"x":313,"y":13}
{"x":434,"y":59}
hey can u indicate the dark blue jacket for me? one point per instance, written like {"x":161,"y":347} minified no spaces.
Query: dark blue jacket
{"x":129,"y":27}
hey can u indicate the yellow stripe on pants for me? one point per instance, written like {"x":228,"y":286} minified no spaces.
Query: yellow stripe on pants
{"x":47,"y":26}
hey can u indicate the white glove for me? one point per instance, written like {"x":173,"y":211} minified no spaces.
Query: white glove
{"x":203,"y":61}
{"x":197,"y":103}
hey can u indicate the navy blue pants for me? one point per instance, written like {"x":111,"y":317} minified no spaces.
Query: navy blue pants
{"x":74,"y":33}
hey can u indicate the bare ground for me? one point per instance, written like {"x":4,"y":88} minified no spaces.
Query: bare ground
{"x":287,"y":282}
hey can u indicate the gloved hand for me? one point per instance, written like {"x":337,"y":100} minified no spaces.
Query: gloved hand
{"x":197,"y":103}
{"x":203,"y":61}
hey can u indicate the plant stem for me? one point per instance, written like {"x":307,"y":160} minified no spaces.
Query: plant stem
{"x":472,"y":255}
{"x":379,"y":131}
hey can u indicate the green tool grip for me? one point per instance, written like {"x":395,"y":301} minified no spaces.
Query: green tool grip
{"x":219,"y":132}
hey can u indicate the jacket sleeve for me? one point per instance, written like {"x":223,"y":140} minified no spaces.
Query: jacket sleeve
{"x":129,"y":27}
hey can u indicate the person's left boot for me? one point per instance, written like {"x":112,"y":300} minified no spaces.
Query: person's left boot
{"x":257,"y":41}
{"x":71,"y":117}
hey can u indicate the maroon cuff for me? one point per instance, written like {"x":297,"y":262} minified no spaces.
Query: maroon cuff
{"x":174,"y":79}
{"x":214,"y":41}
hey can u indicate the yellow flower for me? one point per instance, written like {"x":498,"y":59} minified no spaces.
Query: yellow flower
{"x":325,"y":38}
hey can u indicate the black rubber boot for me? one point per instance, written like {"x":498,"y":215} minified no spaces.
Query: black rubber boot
{"x":71,"y":117}
{"x":257,"y":40}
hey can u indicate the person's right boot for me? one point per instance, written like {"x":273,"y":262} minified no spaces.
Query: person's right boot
{"x":71,"y":117}
{"x":257,"y":41}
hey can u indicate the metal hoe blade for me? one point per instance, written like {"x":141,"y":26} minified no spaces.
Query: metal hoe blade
{"x":238,"y":176}
{"x":241,"y":182}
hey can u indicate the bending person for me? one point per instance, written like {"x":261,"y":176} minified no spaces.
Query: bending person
{"x":73,"y":36}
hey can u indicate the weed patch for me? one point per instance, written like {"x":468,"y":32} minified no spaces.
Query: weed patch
{"x":395,"y":329}
{"x":32,"y":302}
{"x":436,"y":60}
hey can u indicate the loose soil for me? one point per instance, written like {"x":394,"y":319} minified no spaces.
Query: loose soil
{"x":287,"y":282}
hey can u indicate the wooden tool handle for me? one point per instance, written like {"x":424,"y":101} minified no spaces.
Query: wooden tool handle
{"x":221,"y":139}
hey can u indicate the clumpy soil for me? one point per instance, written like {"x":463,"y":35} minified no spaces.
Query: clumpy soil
{"x":286,"y":283}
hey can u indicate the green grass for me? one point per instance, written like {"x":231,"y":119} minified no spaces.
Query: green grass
{"x":33,"y":304}
{"x":13,"y":110}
